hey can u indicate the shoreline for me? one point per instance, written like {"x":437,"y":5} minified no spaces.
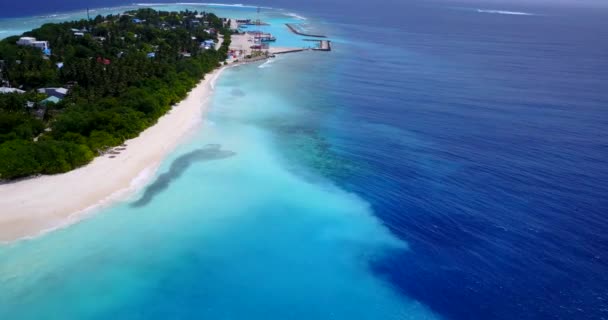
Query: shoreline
{"x":34,"y":206}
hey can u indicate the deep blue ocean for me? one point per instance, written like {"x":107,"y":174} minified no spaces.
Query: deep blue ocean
{"x":475,"y":132}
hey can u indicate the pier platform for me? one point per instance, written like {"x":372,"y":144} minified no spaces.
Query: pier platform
{"x":325,"y":45}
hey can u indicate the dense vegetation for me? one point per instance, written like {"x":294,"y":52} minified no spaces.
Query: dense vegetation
{"x":123,"y":73}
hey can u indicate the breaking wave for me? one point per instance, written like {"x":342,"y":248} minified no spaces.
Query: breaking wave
{"x":266,"y":64}
{"x":295,"y":15}
{"x":516,"y":13}
{"x":233,"y":5}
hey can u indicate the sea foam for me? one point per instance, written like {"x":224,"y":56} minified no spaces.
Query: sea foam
{"x":211,"y":4}
{"x":515,"y":13}
{"x":295,"y":15}
{"x":267,"y":64}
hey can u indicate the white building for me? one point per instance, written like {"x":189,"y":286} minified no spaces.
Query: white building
{"x":32,"y":42}
{"x":10,"y":90}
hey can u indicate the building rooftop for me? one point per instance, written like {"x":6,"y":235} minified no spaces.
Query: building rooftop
{"x":56,"y":92}
{"x":10,"y":90}
{"x":50,"y":99}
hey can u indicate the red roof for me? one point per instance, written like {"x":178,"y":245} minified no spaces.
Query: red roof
{"x":103,"y":61}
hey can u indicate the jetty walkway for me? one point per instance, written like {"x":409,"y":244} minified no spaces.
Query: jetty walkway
{"x":296,"y":31}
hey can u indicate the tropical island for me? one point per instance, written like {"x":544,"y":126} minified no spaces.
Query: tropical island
{"x":90,"y":108}
{"x":71,"y":91}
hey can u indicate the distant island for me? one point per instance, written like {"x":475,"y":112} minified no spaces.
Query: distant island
{"x":71,"y":91}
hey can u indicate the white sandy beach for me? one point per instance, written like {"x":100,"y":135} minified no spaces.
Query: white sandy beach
{"x":32,"y":206}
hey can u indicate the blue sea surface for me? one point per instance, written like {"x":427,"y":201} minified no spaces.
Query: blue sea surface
{"x":448,"y":159}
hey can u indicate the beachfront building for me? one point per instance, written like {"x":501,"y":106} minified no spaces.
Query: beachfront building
{"x":32,"y":42}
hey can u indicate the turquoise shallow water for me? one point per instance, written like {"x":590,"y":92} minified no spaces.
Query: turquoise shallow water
{"x":236,"y":224}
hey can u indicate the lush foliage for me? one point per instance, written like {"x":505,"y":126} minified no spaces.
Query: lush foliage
{"x":124,"y":71}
